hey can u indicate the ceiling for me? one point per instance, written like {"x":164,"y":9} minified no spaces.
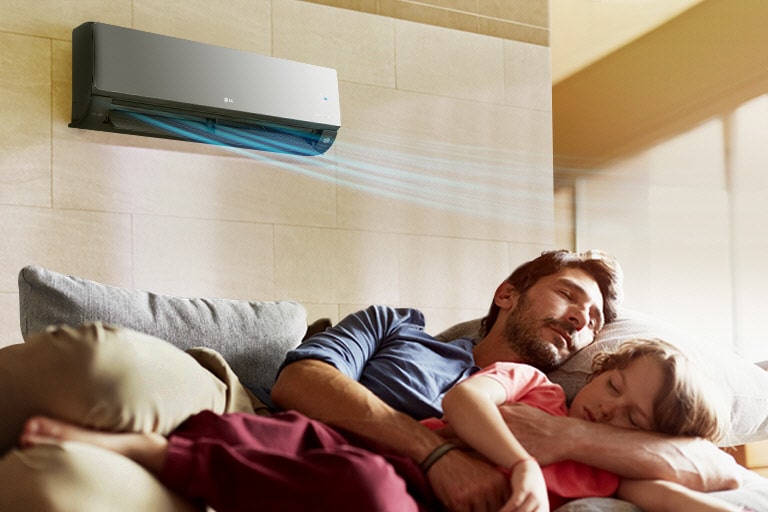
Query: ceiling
{"x":583,"y":31}
{"x":629,"y":73}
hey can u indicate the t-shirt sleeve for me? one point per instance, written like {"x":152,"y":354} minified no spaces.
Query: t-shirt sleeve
{"x":351,"y":343}
{"x":525,"y":384}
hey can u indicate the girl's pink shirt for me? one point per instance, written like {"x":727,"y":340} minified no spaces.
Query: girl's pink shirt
{"x":527,"y":385}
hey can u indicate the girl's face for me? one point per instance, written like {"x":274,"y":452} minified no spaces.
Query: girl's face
{"x":621,"y":397}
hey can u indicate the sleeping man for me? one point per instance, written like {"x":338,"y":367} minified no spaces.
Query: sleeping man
{"x":376,"y":373}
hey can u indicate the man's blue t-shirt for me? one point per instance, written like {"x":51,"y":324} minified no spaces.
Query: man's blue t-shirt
{"x":387,"y":351}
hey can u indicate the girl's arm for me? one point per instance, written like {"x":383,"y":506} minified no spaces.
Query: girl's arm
{"x":663,"y":496}
{"x":471,"y":408}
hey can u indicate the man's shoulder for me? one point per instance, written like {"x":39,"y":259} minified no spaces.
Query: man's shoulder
{"x":408,"y":317}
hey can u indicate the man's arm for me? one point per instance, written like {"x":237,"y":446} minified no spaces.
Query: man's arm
{"x":692,"y":462}
{"x":661,"y":496}
{"x":320,"y":391}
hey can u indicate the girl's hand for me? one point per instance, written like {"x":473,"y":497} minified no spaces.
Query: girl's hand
{"x":529,"y":491}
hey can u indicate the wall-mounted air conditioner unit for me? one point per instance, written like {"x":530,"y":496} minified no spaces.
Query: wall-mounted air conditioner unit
{"x":135,"y":82}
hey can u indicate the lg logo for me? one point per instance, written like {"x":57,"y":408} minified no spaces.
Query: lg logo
{"x":229,"y":100}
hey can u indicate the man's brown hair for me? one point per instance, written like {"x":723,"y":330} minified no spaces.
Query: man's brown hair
{"x":602,"y":267}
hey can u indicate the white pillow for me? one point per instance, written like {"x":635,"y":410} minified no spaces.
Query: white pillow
{"x":743,"y":383}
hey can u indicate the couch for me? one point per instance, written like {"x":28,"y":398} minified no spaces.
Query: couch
{"x":243,"y":344}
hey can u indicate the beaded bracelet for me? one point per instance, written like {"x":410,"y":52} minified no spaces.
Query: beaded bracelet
{"x":436,"y":454}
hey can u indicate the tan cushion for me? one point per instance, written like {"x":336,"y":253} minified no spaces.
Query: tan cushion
{"x":103,"y":377}
{"x":75,"y":477}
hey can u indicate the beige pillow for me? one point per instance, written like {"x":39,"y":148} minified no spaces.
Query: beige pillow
{"x":75,"y":477}
{"x":71,"y":374}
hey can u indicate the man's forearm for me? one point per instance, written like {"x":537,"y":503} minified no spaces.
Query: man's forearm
{"x":641,"y":455}
{"x":694,"y":463}
{"x":661,"y":496}
{"x":321,"y":392}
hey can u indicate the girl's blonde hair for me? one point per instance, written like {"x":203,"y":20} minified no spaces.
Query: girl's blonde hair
{"x":687,"y":405}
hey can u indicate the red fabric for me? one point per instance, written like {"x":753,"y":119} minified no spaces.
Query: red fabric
{"x":287,"y":462}
{"x":565,"y":480}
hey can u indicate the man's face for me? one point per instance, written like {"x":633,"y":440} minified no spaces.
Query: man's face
{"x":557,"y":316}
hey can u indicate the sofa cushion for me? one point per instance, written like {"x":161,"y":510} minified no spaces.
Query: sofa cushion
{"x":252,"y":336}
{"x":105,"y":377}
{"x":745,"y":384}
{"x":76,"y":477}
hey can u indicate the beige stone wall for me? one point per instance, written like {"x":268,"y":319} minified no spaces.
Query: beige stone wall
{"x":521,"y":20}
{"x":689,"y":221}
{"x":439,"y":183}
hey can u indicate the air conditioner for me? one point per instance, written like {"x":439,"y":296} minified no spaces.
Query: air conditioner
{"x":140,"y":83}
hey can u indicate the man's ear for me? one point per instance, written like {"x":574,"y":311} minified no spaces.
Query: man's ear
{"x":506,"y":296}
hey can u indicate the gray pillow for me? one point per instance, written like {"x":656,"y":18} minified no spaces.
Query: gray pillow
{"x":744,"y":383}
{"x":253,"y":336}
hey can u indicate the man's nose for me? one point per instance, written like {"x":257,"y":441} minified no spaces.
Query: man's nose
{"x":578,"y":316}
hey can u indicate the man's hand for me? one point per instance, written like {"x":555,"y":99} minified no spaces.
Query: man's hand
{"x":540,"y":433}
{"x":465,"y":484}
{"x":692,"y":462}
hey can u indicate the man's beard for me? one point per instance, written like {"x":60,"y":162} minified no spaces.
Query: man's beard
{"x":521,"y":332}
